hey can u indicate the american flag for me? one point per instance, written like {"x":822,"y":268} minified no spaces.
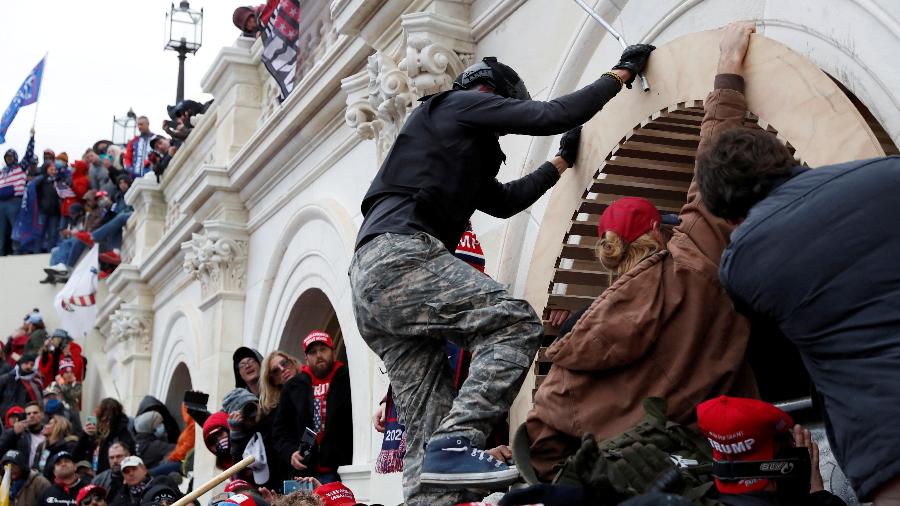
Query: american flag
{"x":281,"y":35}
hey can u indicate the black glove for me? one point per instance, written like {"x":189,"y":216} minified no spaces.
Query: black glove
{"x":568,"y":145}
{"x":634,"y":58}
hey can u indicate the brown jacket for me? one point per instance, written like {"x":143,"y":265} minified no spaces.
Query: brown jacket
{"x":31,"y":491}
{"x":666,"y":328}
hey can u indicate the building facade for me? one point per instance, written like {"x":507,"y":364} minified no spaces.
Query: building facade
{"x":248,"y":237}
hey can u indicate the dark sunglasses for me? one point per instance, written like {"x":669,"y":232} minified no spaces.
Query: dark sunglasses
{"x":280,"y":366}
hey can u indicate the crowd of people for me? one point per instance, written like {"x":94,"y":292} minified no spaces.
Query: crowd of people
{"x":60,"y":207}
{"x":650,"y":398}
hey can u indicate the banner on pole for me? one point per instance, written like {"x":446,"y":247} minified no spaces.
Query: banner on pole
{"x":76,"y":303}
{"x":27,"y":95}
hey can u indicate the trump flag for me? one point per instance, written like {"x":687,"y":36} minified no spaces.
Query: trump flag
{"x":27,"y":95}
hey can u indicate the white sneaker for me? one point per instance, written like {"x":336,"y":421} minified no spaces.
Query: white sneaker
{"x":60,"y":268}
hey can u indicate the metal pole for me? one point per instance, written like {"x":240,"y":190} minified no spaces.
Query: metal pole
{"x":182,"y":54}
{"x":587,"y":8}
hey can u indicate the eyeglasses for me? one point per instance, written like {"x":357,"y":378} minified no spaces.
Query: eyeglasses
{"x":280,"y":366}
{"x":93,"y":499}
{"x":246,"y":363}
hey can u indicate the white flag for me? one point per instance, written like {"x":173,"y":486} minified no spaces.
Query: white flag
{"x":77,"y":302}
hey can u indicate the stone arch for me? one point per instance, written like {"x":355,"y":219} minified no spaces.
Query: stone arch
{"x":804,"y":104}
{"x":312,"y":257}
{"x":311,"y":311}
{"x":179,"y":383}
{"x":176,"y":347}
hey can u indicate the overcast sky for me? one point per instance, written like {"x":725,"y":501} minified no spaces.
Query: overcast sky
{"x":104,"y":57}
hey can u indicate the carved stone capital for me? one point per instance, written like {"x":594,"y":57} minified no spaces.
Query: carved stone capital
{"x":219,"y":263}
{"x":360,"y":114}
{"x":131,"y":324}
{"x":438,"y":48}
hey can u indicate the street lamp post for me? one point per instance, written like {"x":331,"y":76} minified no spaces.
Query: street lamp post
{"x":184,"y":35}
{"x":124,"y":128}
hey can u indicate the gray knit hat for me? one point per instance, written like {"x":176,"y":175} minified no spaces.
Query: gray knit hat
{"x":236,"y":399}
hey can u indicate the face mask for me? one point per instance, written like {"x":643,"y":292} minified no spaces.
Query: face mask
{"x":159,"y":432}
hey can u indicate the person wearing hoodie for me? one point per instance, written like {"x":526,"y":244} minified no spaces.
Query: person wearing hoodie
{"x":150,"y":403}
{"x":246,"y":363}
{"x":217,"y":438}
{"x":12,"y":188}
{"x":21,"y":385}
{"x":245,"y":420}
{"x":37,"y":334}
{"x":149,"y":434}
{"x":26,"y":484}
{"x":98,"y":175}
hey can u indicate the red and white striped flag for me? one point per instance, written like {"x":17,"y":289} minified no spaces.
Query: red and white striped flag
{"x":76,"y":303}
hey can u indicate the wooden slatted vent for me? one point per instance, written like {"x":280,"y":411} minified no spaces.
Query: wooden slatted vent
{"x":654,"y":161}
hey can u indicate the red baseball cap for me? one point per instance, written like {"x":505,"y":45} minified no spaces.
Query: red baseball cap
{"x":629,"y":217}
{"x":238,"y":485}
{"x":317,"y":336}
{"x":741,"y":429}
{"x":243,"y":500}
{"x":86,"y":491}
{"x":336,"y":494}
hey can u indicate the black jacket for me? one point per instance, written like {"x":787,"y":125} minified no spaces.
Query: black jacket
{"x":9,"y":440}
{"x":818,"y":257}
{"x":118,"y":432}
{"x":447,"y":155}
{"x":47,"y":199}
{"x":151,"y":449}
{"x":43,"y":463}
{"x":822,"y":498}
{"x":241,"y":436}
{"x":14,"y":393}
{"x":150,"y":403}
{"x":295,"y":413}
{"x":58,"y":495}
{"x":157,"y":486}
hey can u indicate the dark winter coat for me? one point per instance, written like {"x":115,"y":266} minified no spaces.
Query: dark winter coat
{"x":295,"y":413}
{"x":157,"y":485}
{"x":818,"y":258}
{"x":151,"y":449}
{"x":13,"y":392}
{"x":150,"y":403}
{"x":9,"y":440}
{"x":447,"y":156}
{"x":48,"y":200}
{"x":46,"y":453}
{"x":58,"y":495}
{"x":118,"y":432}
{"x":239,"y":439}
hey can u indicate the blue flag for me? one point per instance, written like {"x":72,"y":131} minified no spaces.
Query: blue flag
{"x":27,"y":95}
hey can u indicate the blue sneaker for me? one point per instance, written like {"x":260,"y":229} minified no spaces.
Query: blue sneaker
{"x":454,"y":461}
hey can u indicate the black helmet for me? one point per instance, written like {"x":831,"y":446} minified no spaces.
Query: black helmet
{"x":501,"y":77}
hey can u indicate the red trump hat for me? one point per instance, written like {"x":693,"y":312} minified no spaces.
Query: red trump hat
{"x":317,"y":336}
{"x":629,"y":217}
{"x":741,"y":429}
{"x":335,"y":494}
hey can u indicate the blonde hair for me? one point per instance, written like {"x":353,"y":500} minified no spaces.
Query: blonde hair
{"x":62,"y":428}
{"x":270,"y":393}
{"x":619,"y":257}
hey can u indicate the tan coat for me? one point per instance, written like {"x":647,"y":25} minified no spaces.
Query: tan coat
{"x":31,"y":491}
{"x":666,"y":328}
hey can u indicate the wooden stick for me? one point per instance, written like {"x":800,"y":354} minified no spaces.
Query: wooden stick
{"x":206,"y":487}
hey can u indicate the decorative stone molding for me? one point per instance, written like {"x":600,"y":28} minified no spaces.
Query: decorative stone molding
{"x":360,"y":114}
{"x":218,"y":263}
{"x":436,"y":48}
{"x":134,"y":324}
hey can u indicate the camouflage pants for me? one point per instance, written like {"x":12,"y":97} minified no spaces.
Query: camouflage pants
{"x":410,"y":295}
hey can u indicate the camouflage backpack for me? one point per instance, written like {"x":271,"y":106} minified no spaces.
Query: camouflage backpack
{"x":655,"y":455}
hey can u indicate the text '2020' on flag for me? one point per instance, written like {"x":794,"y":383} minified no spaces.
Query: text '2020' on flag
{"x":76,"y":303}
{"x":280,"y":20}
{"x":27,"y":95}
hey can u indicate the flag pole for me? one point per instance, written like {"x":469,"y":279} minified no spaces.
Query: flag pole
{"x":38,"y":101}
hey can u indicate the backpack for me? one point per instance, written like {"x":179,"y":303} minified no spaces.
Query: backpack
{"x":654,"y":455}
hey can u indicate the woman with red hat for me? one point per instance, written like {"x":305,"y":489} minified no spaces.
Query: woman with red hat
{"x":665,"y":328}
